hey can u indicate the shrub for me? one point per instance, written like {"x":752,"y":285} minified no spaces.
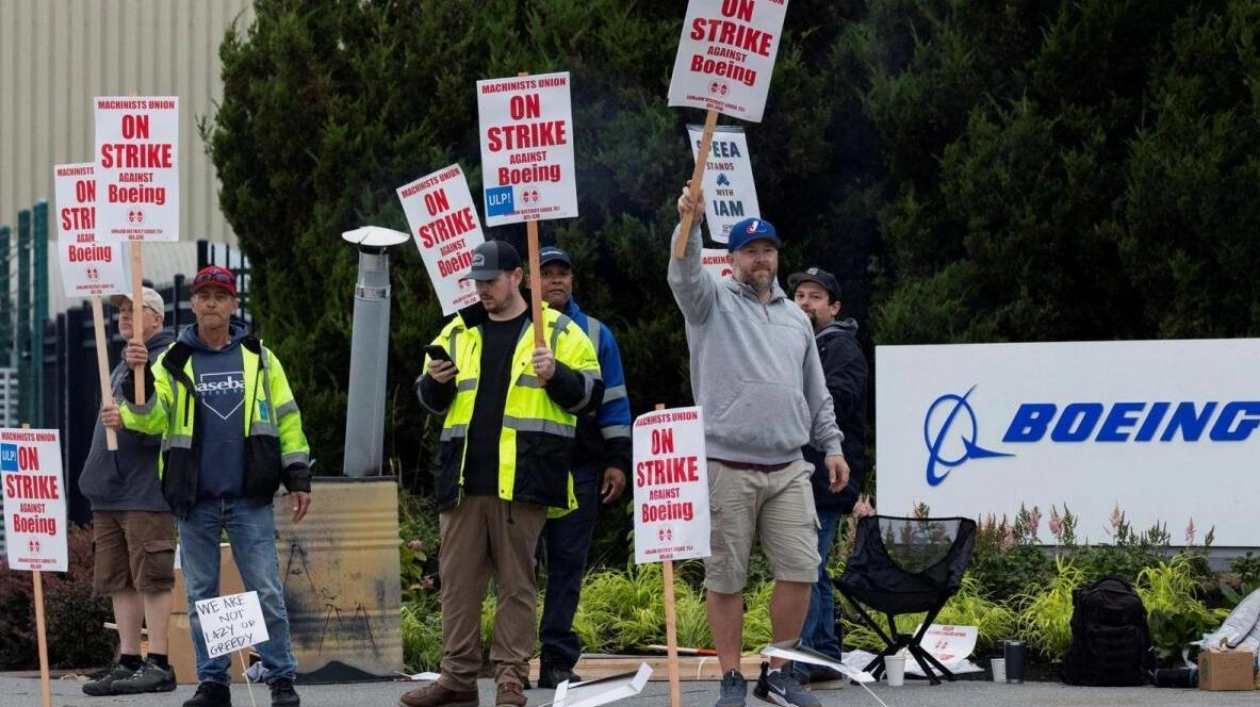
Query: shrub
{"x":1175,"y":615}
{"x":74,"y":618}
{"x":1045,"y":616}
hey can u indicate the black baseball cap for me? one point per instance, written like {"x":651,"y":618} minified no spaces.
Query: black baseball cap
{"x":552,"y":254}
{"x":491,"y":258}
{"x":819,"y":276}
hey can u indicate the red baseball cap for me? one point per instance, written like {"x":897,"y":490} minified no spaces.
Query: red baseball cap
{"x":215,"y":276}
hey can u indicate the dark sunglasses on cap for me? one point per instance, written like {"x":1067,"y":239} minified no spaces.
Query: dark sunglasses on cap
{"x":214,"y":276}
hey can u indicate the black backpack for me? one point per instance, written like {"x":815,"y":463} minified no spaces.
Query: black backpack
{"x":1111,"y":643}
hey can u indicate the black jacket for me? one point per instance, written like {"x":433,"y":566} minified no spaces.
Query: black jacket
{"x":844,"y":366}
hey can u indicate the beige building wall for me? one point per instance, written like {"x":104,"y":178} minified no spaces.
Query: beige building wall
{"x":57,"y":55}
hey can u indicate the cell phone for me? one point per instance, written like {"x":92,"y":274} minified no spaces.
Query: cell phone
{"x":437,"y":353}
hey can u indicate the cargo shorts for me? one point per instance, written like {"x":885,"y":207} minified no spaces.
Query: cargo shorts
{"x":778,"y":507}
{"x":135,"y":551}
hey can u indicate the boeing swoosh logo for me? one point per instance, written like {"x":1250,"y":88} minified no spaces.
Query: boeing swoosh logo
{"x":948,"y":407}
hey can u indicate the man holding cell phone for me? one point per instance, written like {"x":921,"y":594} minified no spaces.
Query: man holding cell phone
{"x":511,"y":412}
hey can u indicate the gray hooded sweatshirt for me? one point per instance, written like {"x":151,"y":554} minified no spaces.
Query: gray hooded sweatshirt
{"x":754,"y":367}
{"x":126,"y":480}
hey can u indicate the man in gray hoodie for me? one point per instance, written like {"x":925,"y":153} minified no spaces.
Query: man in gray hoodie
{"x":755,"y":370}
{"x":133,"y":529}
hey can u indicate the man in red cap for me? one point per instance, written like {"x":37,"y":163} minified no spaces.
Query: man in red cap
{"x":231,"y":435}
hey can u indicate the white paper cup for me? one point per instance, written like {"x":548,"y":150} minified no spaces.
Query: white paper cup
{"x":999,"y":670}
{"x":895,"y":665}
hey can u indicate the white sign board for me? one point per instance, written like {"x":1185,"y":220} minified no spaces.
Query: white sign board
{"x":527,"y":148}
{"x":34,"y":500}
{"x":730,"y":194}
{"x":1167,"y":430}
{"x":593,"y":693}
{"x":446,"y":229}
{"x":671,"y":486}
{"x":948,"y":644}
{"x":231,"y":623}
{"x":726,"y":56}
{"x":716,"y":261}
{"x":137,"y":168}
{"x":88,"y":266}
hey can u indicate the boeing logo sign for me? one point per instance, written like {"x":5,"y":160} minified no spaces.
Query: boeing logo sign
{"x":951,"y":431}
{"x":950,"y":419}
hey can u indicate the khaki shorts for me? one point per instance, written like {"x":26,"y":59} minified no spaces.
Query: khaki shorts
{"x":779,"y":505}
{"x":135,"y":551}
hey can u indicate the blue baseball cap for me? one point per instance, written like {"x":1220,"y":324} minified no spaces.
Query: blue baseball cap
{"x":552,"y":254}
{"x":749,"y":230}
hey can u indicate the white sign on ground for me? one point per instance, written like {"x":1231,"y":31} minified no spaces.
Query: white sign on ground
{"x":137,"y":168}
{"x":726,"y":56}
{"x":1166,"y":430}
{"x":716,"y":261}
{"x":730,"y":193}
{"x":593,"y":693}
{"x":671,"y":486}
{"x":88,"y":266}
{"x":527,"y":148}
{"x":34,"y":500}
{"x":231,"y":623}
{"x":444,"y":224}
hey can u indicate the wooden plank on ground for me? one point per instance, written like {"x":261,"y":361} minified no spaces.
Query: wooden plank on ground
{"x":690,"y":668}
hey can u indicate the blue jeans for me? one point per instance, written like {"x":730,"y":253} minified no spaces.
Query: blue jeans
{"x":566,"y":543}
{"x":819,"y":631}
{"x":251,"y":530}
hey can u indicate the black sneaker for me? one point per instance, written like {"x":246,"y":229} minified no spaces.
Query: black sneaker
{"x":550,"y":676}
{"x":103,"y":686}
{"x":151,"y":677}
{"x":211,"y":694}
{"x":283,"y":694}
{"x":781,"y":688}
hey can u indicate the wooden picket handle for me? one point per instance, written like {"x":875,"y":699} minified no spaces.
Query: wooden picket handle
{"x":702,"y":158}
{"x":137,"y":312}
{"x":41,"y":635}
{"x":102,"y":366}
{"x":671,"y":627}
{"x":535,"y":278}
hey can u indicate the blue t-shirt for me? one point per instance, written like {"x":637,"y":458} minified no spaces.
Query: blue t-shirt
{"x":219,"y":377}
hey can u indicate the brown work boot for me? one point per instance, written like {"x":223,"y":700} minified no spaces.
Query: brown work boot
{"x":510,"y":695}
{"x":437,"y":696}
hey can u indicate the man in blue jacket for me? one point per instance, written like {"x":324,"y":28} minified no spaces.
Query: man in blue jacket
{"x":601,"y":460}
{"x":817,"y":293}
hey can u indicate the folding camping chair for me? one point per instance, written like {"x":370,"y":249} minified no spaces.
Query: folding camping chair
{"x":906,"y":566}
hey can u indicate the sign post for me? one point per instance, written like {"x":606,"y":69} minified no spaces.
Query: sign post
{"x":527,"y":160}
{"x":137,"y":177}
{"x":88,"y":266}
{"x":444,"y":224}
{"x":725,"y":60}
{"x":671,"y":501}
{"x":35,"y":518}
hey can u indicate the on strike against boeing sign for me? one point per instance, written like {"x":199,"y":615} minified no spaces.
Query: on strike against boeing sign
{"x":978,"y":429}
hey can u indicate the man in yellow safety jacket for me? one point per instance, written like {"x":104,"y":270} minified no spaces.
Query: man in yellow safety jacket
{"x":511,"y":417}
{"x":231,"y":435}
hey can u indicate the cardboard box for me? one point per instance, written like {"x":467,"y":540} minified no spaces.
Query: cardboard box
{"x":1227,"y":670}
{"x":179,"y":636}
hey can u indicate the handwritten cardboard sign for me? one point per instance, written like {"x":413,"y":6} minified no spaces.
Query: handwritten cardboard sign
{"x":231,"y":623}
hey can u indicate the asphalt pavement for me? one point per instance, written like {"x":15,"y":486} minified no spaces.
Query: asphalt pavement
{"x":25,"y":692}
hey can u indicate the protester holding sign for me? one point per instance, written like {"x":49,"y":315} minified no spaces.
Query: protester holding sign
{"x":755,"y":371}
{"x":817,"y":293}
{"x":510,"y":411}
{"x":231,"y":434}
{"x":133,"y":530}
{"x":601,"y":460}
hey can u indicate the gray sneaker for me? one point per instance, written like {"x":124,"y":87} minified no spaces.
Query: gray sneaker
{"x":734,"y":690}
{"x":783,"y":689}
